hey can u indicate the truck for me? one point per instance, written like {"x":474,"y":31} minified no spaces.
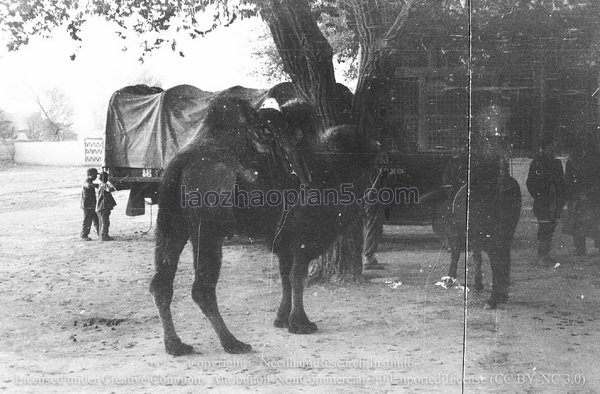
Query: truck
{"x":146,"y":126}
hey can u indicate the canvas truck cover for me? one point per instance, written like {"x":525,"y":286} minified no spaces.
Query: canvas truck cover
{"x":146,"y":126}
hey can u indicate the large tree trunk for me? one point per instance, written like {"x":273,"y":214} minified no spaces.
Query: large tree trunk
{"x":307,"y":58}
{"x":378,"y":25}
{"x":373,"y":84}
{"x":343,"y":261}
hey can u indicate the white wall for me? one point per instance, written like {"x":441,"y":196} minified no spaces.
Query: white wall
{"x":64,"y":153}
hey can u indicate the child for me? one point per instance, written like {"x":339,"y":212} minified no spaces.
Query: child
{"x":88,"y":204}
{"x":546,"y":185}
{"x":105,"y":203}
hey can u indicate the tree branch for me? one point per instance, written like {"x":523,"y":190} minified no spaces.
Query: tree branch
{"x":39,"y":103}
{"x":306,"y":55}
{"x":396,"y":29}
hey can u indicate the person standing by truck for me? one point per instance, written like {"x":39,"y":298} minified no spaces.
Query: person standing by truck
{"x":583,"y":193}
{"x":88,"y":204}
{"x":545,"y":182}
{"x":373,"y":218}
{"x":104,"y":205}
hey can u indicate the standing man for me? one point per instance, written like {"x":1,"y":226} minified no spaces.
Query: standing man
{"x":545,"y":183}
{"x":583,"y":193}
{"x":373,"y":221}
{"x":88,"y":204}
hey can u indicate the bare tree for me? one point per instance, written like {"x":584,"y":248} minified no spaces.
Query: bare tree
{"x":7,"y":127}
{"x":34,"y":126}
{"x":56,"y":116}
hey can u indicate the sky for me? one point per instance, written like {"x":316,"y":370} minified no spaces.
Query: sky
{"x":220,"y":60}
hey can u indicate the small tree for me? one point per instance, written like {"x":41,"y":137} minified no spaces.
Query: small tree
{"x":34,"y":130}
{"x":7,"y":127}
{"x":56,"y":115}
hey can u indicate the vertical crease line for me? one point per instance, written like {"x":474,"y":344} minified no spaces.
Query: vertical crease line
{"x":469,"y":127}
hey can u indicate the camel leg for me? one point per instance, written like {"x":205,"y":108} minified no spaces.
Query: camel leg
{"x":454,"y":257}
{"x":170,"y":242}
{"x":478,"y":258}
{"x":207,"y":266}
{"x":298,"y":321}
{"x":508,"y":265}
{"x":285,"y":266}
{"x":500,"y":262}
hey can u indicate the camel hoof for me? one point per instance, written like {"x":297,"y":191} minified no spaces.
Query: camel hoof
{"x":449,"y":281}
{"x":236,"y":347}
{"x":281,"y":322}
{"x":178,"y":348}
{"x":489,"y":304}
{"x":494,"y":301}
{"x":306,"y":327}
{"x":478,"y":282}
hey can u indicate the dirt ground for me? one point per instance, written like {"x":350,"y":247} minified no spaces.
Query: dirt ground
{"x":77,"y":316}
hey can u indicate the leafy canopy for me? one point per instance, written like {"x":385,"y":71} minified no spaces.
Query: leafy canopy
{"x":493,"y":22}
{"x":23,"y":19}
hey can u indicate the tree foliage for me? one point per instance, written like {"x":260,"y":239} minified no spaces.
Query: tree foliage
{"x":340,"y":20}
{"x":34,"y":130}
{"x":333,"y":22}
{"x":566,"y":26}
{"x":7,"y":128}
{"x":54,"y":120}
{"x":495,"y":25}
{"x":148,"y":18}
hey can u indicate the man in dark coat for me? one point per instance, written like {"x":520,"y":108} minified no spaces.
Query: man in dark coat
{"x":582,"y":177}
{"x":545,"y":183}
